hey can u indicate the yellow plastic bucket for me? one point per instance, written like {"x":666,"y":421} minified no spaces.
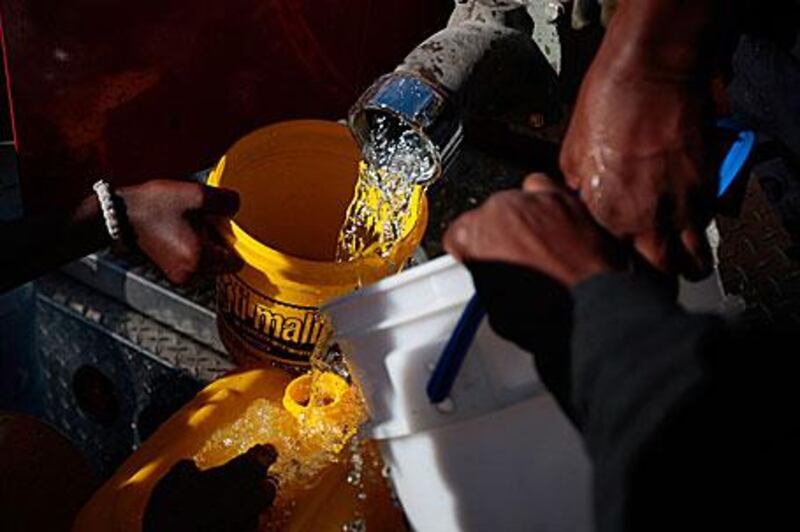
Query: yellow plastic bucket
{"x":296,"y":180}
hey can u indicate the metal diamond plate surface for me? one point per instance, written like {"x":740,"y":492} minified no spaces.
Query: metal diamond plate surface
{"x":113,"y":374}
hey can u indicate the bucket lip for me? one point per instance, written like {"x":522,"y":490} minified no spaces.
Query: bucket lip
{"x":412,"y":275}
{"x":360,"y":270}
{"x":389,"y":324}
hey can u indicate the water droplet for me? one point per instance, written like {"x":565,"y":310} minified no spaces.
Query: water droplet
{"x":353,"y":477}
{"x":553,"y":11}
{"x":356,"y":525}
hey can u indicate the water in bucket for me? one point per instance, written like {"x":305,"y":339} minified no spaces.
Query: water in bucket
{"x":314,"y":430}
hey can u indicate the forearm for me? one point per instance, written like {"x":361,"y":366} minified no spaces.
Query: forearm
{"x":663,"y":39}
{"x":32,"y":247}
{"x":639,"y":390}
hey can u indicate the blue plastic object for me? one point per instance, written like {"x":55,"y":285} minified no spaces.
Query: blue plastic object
{"x":737,"y":155}
{"x":444,"y":375}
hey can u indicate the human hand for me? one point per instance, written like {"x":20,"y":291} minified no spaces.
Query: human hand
{"x":541,"y":227}
{"x":170,"y":224}
{"x":636,"y":150}
{"x":228,"y":498}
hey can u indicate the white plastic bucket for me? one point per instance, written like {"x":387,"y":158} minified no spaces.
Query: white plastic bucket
{"x":499,"y":455}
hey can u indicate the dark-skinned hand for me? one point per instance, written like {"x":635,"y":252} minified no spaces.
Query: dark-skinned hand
{"x":228,"y":498}
{"x":172,"y":223}
{"x":541,"y":227}
{"x":636,"y":151}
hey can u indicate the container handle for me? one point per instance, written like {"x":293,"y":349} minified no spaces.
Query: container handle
{"x":454,"y":353}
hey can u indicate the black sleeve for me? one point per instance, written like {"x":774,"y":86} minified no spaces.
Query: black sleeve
{"x":534,"y":312}
{"x":34,"y":246}
{"x":690,"y":424}
{"x":226,"y":498}
{"x":684,"y":430}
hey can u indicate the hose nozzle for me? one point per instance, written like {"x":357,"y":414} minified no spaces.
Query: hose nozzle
{"x":402,"y":103}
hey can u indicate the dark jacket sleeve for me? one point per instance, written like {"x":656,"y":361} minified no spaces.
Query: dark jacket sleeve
{"x":636,"y":364}
{"x":34,"y":246}
{"x":684,"y":430}
{"x":690,"y":423}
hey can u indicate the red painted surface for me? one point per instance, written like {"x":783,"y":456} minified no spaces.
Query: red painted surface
{"x":160,"y":88}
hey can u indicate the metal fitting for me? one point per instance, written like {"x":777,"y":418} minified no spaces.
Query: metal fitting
{"x":403,"y":101}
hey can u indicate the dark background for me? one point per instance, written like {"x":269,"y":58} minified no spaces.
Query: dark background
{"x":160,"y":88}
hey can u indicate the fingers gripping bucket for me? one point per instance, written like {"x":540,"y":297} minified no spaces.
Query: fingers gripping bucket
{"x":296,"y":180}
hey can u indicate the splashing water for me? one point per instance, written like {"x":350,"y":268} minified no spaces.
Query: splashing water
{"x":315,"y":431}
{"x":387,"y":195}
{"x":306,"y":441}
{"x":399,"y":151}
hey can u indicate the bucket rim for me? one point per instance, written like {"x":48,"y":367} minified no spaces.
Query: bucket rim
{"x":291,"y":267}
{"x":412,"y":275}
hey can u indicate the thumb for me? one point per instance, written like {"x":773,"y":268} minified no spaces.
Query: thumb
{"x":219,"y":201}
{"x":539,"y":183}
{"x":569,"y":165}
{"x":459,"y":238}
{"x":218,"y":258}
{"x":255,"y":461}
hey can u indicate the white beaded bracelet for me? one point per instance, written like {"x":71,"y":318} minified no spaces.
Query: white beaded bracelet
{"x":103,"y":191}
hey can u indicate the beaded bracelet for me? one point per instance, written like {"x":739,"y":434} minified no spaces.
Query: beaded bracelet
{"x":103,"y":191}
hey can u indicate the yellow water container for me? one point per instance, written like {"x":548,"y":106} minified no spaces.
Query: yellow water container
{"x":328,"y":504}
{"x":296,"y":180}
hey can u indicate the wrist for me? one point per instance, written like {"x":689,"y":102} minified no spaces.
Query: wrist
{"x":587,"y":271}
{"x":88,"y":217}
{"x":608,"y":256}
{"x":123,"y":200}
{"x":128,"y":197}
